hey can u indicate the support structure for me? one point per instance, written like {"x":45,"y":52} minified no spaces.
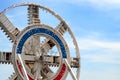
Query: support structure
{"x":31,"y":56}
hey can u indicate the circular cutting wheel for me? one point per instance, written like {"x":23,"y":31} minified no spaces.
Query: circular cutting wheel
{"x":41,"y":51}
{"x":31,"y":55}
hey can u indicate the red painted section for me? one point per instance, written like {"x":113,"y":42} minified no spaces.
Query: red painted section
{"x":60,"y":75}
{"x":30,"y":78}
{"x":19,"y":68}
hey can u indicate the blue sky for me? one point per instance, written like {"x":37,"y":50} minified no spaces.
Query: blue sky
{"x":96,"y":26}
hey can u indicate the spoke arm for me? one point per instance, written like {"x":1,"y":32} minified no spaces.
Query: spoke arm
{"x":61,"y":28}
{"x":33,"y":15}
{"x":8,"y":27}
{"x":48,"y":43}
{"x":47,"y":59}
{"x":28,"y":57}
{"x":37,"y":69}
{"x":51,"y":60}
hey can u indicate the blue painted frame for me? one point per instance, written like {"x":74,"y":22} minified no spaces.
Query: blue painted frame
{"x":41,"y":31}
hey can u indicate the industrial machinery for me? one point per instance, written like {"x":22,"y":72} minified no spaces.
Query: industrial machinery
{"x":40,"y":51}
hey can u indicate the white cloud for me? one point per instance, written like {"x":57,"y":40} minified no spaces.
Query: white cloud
{"x":98,"y":4}
{"x":103,"y":52}
{"x":104,"y":74}
{"x":88,"y":44}
{"x":103,"y":2}
{"x":110,"y":57}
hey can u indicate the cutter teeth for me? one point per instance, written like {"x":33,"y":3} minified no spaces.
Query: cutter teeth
{"x":7,"y":34}
{"x":5,"y":58}
{"x":13,"y":77}
{"x":33,"y":15}
{"x":5,"y":62}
